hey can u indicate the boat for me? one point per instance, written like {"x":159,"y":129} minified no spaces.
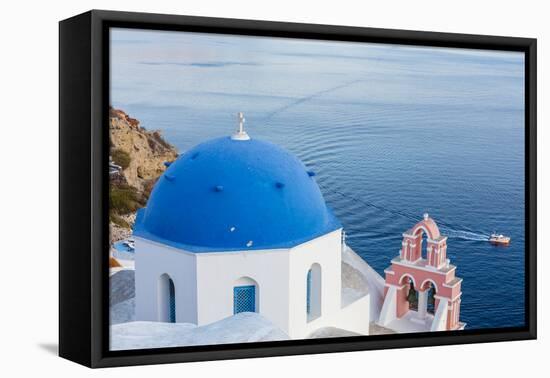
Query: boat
{"x":129,"y":244}
{"x":499,"y":239}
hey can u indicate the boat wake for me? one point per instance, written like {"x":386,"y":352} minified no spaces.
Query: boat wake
{"x":465,"y":235}
{"x":445,"y":228}
{"x":307,"y":98}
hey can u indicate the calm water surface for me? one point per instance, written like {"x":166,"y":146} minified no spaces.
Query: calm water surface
{"x":391,"y":131}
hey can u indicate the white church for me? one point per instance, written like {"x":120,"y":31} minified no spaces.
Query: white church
{"x":240,"y":225}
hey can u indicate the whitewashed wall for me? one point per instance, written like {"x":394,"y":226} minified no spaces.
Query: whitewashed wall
{"x":218,"y":273}
{"x":324,"y":251}
{"x":327,"y":252}
{"x":204,"y":285}
{"x":152,"y":261}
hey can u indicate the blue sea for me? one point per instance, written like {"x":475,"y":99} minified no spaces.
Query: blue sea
{"x":391,"y":131}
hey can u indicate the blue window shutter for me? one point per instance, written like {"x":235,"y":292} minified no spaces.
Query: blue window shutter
{"x":308,"y":293}
{"x":171,"y":302}
{"x":244,"y":299}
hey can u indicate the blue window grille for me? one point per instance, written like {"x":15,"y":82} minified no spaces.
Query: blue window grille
{"x":308,"y":292}
{"x":171,"y":301}
{"x":244,"y":299}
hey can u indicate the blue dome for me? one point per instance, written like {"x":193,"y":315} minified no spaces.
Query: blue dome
{"x":227,"y":194}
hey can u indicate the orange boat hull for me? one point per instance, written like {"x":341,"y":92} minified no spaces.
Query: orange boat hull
{"x":501,"y":242}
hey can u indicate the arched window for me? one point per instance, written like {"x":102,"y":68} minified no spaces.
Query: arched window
{"x":424,"y":245}
{"x":245,"y":295}
{"x":411,"y":294}
{"x":430,"y":289}
{"x":431,"y":300}
{"x":313,"y":292}
{"x":412,"y":297}
{"x":422,"y":242}
{"x":167,"y":299}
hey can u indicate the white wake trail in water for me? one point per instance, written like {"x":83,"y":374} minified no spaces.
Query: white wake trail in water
{"x":466,"y":235}
{"x":307,"y":98}
{"x":445,"y":228}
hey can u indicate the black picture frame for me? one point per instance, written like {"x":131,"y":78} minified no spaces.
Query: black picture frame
{"x":83,"y":181}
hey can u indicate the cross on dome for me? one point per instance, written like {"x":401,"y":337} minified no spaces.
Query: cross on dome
{"x":240,"y":116}
{"x":240,"y":134}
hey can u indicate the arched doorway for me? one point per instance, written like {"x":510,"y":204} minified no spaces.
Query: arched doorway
{"x":245,"y":295}
{"x":167,"y":299}
{"x":313,"y":292}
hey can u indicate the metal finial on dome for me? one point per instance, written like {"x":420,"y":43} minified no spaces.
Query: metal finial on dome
{"x":240,"y":134}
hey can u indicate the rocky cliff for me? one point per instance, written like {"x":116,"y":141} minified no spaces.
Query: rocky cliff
{"x":137,"y":160}
{"x":140,"y":152}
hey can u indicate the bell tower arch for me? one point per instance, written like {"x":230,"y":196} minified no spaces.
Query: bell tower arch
{"x":436,"y":248}
{"x":437,"y":289}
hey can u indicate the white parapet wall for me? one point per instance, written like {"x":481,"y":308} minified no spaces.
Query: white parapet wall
{"x":389,"y":308}
{"x":374,"y":280}
{"x":355,"y":317}
{"x":440,"y":318}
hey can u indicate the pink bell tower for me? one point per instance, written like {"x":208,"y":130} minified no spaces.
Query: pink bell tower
{"x":428,"y":281}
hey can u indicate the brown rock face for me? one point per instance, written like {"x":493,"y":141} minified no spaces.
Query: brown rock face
{"x":117,"y":232}
{"x":147,"y":150}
